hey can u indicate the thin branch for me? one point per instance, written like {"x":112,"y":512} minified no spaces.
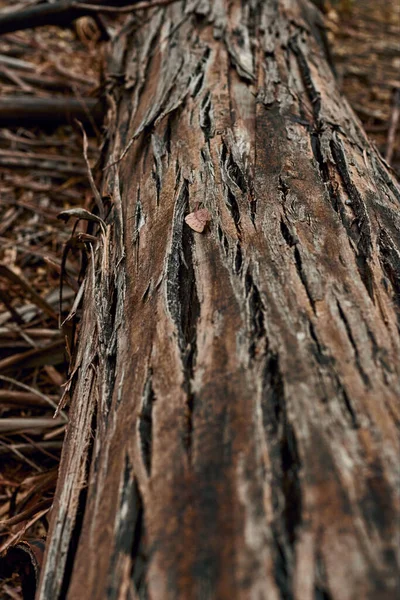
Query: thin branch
{"x":124,"y":9}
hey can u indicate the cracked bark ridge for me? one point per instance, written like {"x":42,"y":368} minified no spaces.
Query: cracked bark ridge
{"x":234,"y":417}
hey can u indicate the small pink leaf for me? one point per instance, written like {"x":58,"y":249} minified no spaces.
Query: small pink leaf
{"x":198,"y":219}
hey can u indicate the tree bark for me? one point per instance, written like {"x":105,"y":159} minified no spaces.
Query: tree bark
{"x":234,"y":416}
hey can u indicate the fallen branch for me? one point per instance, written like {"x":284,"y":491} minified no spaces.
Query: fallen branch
{"x":60,"y":13}
{"x":138,"y":5}
{"x":42,"y":162}
{"x":21,"y":110}
{"x":16,"y":63}
{"x":41,"y":81}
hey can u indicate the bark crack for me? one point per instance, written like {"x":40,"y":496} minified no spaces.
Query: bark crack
{"x":389,"y":258}
{"x":256,"y":310}
{"x":353,"y":344}
{"x":206,"y":118}
{"x":327,"y":365}
{"x":361,"y":221}
{"x":234,"y":178}
{"x":146,"y":423}
{"x":303,"y":277}
{"x":286,"y":468}
{"x":182,"y":300}
{"x":129,"y":538}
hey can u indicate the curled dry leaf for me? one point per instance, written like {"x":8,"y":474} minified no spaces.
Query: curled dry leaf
{"x":198,"y":219}
{"x":24,"y":559}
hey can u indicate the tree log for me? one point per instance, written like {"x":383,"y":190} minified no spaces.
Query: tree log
{"x":48,"y":112}
{"x":62,"y":13}
{"x":234,"y":401}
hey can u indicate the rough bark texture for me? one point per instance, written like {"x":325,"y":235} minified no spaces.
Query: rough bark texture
{"x":234,"y":416}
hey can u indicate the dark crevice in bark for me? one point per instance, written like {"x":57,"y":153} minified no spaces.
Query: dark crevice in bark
{"x":327,"y":364}
{"x":389,"y":259}
{"x":282,"y":568}
{"x":377,"y":504}
{"x":325,"y":174}
{"x":233,"y":207}
{"x":74,"y":542}
{"x":234,"y":170}
{"x":143,"y":144}
{"x":110,"y":369}
{"x":149,"y":56}
{"x":319,"y":30}
{"x":190,"y":306}
{"x":364,"y":245}
{"x":286,"y":466}
{"x":321,"y":594}
{"x":206,"y":118}
{"x":199,"y":76}
{"x":302,"y":276}
{"x":349,"y":407}
{"x":238,"y":259}
{"x":379,"y":354}
{"x":253,"y":205}
{"x":139,"y":550}
{"x":138,"y":219}
{"x":188,"y":418}
{"x":161,"y":108}
{"x":256,"y":310}
{"x":321,"y":590}
{"x":128,"y":534}
{"x":318,"y":349}
{"x":108,"y":344}
{"x":146,"y":423}
{"x":199,"y":73}
{"x":283,"y":188}
{"x":146,"y":293}
{"x":183,"y":302}
{"x":350,"y":336}
{"x":361,"y":220}
{"x":273,"y":401}
{"x":223,"y":240}
{"x":168,"y":136}
{"x":385,"y":177}
{"x":173,"y":282}
{"x":312,"y":93}
{"x":253,"y":24}
{"x":366,"y":275}
{"x":288,"y":233}
{"x":290,"y":480}
{"x":157,"y":179}
{"x":235,"y":184}
{"x":289,"y":238}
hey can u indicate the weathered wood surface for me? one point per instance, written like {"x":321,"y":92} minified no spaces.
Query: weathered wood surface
{"x":234,"y":416}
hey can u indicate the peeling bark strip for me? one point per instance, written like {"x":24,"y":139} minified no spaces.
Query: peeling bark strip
{"x":234,"y":420}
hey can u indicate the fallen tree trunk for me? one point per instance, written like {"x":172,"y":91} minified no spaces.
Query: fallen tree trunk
{"x":234,"y":415}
